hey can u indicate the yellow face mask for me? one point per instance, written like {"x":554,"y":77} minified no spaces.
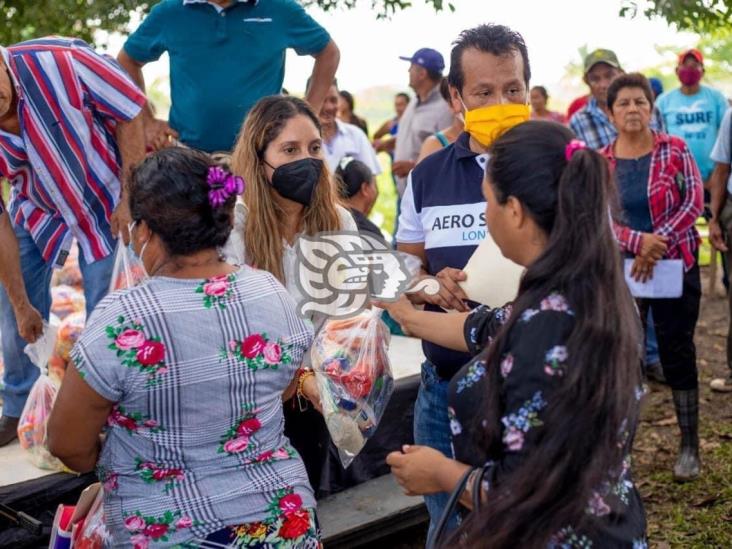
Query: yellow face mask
{"x":486,"y":124}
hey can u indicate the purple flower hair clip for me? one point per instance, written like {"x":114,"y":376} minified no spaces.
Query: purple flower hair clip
{"x":572,"y":147}
{"x":223,"y":185}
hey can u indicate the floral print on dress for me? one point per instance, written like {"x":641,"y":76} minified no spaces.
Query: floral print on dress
{"x":132,"y":422}
{"x":597,"y":506}
{"x":474,"y":373}
{"x":237,"y":438}
{"x":145,"y":529}
{"x":519,"y":423}
{"x":269,"y":456}
{"x":257,"y":352}
{"x":528,"y":314}
{"x":137,"y":350}
{"x":555,"y":302}
{"x":506,"y":365}
{"x":153,"y":473}
{"x":567,"y":538}
{"x":455,"y":426}
{"x":555,"y":360}
{"x":107,"y":478}
{"x":217,"y":290}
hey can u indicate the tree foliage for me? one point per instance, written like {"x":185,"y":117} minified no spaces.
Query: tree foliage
{"x":689,"y":15}
{"x":381,"y":8}
{"x":25,"y":19}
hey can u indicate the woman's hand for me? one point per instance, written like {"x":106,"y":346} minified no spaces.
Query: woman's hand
{"x":653,"y":246}
{"x":642,"y":269}
{"x":417,"y":470}
{"x":311,"y":392}
{"x":400,"y":310}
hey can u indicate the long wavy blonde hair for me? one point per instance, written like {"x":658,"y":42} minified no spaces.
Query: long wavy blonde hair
{"x":264,"y":228}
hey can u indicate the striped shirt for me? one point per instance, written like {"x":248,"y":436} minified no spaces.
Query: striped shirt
{"x":64,"y":166}
{"x":592,"y":125}
{"x":675,"y":199}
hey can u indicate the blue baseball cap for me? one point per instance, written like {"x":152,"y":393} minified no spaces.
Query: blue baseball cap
{"x":428,"y":58}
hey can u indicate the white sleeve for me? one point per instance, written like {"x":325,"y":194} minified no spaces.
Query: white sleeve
{"x":233,"y":251}
{"x":410,"y":229}
{"x":721,"y":151}
{"x":367,"y":153}
{"x":347,"y":221}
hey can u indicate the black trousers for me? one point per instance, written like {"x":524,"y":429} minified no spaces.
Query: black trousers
{"x":675,"y":321}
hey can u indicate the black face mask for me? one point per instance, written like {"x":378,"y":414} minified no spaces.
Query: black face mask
{"x":297,"y":180}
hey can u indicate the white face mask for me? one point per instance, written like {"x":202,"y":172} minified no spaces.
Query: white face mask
{"x":134,"y":259}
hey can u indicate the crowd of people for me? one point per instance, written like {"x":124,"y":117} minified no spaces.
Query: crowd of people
{"x":192,"y":394}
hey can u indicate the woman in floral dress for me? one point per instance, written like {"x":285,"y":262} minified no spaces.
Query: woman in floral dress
{"x":186,"y":374}
{"x":547,"y":410}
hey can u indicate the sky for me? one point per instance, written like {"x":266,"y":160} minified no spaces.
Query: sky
{"x":553,"y":30}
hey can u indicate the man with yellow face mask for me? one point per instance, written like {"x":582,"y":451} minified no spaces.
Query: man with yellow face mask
{"x":442,"y":218}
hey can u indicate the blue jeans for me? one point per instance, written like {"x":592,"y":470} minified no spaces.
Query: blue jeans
{"x":652,"y":356}
{"x":432,"y":428}
{"x":20,"y":373}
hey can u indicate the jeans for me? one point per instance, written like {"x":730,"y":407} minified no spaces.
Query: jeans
{"x":652,"y":356}
{"x":20,"y":372}
{"x":432,"y":428}
{"x":675,"y":322}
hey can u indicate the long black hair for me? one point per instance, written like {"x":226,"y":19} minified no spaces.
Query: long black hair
{"x":580,"y":442}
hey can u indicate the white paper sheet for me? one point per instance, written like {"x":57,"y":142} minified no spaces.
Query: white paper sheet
{"x":492,"y":279}
{"x":667,"y":280}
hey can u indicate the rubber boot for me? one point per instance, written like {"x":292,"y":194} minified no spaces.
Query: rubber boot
{"x":687,"y":412}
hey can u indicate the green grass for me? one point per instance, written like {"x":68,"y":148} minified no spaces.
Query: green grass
{"x":384,"y":211}
{"x":695,"y":514}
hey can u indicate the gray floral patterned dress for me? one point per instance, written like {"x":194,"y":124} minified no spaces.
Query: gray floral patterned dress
{"x":195,"y":442}
{"x":533,"y":362}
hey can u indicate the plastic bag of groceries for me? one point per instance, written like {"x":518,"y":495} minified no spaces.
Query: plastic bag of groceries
{"x":351,"y":363}
{"x":66,"y":300}
{"x":93,"y":532}
{"x":128,"y":270}
{"x":34,"y":419}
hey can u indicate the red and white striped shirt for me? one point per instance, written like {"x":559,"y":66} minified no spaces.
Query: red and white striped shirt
{"x":64,"y":167}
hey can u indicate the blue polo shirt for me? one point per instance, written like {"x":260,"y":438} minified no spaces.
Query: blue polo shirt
{"x":443,"y":207}
{"x":222,"y":61}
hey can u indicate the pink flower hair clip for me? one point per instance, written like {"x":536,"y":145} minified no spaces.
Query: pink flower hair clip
{"x":223,"y":185}
{"x":572,"y":147}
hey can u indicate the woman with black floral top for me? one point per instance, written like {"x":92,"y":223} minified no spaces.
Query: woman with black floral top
{"x":547,"y":409}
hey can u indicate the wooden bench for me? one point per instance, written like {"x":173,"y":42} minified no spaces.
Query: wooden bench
{"x":368,"y":512}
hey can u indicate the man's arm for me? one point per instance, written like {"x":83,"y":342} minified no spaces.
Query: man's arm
{"x":30,"y":323}
{"x":324,"y":70}
{"x":131,"y":144}
{"x":718,"y":191}
{"x":157,"y":133}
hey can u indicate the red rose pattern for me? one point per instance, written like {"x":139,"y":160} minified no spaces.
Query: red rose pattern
{"x":252,"y":346}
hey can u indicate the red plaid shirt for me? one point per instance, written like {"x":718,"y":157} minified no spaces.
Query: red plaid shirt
{"x":675,"y":199}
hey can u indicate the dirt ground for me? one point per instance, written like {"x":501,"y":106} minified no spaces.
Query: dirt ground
{"x":697,"y":514}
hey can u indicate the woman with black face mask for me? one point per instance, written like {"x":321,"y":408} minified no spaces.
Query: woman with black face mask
{"x":289,"y":192}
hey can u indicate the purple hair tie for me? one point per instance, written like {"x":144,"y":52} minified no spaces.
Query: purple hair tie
{"x":572,"y":147}
{"x":223,"y":185}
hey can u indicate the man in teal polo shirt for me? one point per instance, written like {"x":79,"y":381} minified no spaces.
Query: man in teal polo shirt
{"x":224,"y":56}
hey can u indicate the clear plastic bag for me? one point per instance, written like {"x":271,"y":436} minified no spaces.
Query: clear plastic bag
{"x":351,"y":363}
{"x":128,"y":270}
{"x":93,"y":533}
{"x":34,"y":419}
